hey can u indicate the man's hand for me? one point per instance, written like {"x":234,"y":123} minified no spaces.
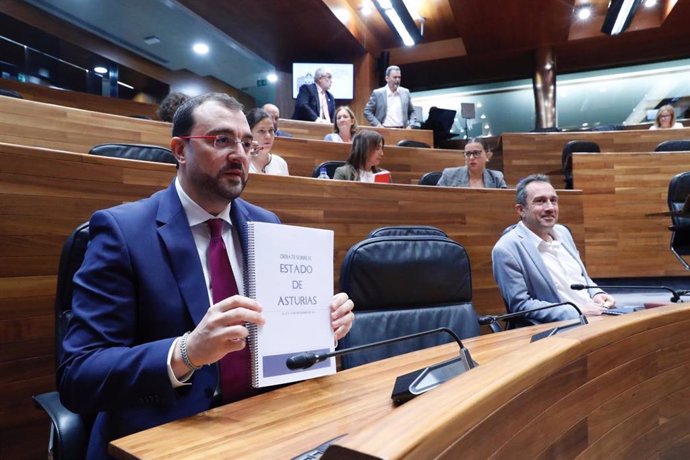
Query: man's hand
{"x":221,"y":331}
{"x":605,"y":300}
{"x":341,"y":315}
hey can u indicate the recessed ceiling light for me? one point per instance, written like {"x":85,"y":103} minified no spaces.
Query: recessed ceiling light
{"x":200,"y":48}
{"x":650,"y":3}
{"x":366,"y":10}
{"x":100,"y":69}
{"x":152,"y":40}
{"x":584,"y":13}
{"x":271,"y":77}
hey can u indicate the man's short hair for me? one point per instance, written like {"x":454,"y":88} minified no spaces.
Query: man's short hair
{"x":521,"y":189}
{"x":169,"y":105}
{"x":320,"y":72}
{"x":392,"y":68}
{"x":183,"y":121}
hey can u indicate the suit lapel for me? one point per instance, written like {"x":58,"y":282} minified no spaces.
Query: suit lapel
{"x":535,"y":257}
{"x":184,"y":260}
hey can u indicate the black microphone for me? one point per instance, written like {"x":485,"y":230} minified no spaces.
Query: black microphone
{"x":492,"y":319}
{"x":674,"y":298}
{"x":409,"y":385}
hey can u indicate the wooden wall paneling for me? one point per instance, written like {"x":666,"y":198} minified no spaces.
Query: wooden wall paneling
{"x":619,"y":190}
{"x":317,"y":131}
{"x":406,"y":164}
{"x":529,"y":153}
{"x":79,"y":100}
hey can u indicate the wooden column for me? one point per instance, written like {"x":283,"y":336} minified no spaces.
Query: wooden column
{"x":544,"y":86}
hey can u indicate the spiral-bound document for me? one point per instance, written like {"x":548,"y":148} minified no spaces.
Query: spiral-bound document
{"x":290,"y":274}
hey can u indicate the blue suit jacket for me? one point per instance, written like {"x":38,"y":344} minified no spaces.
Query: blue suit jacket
{"x":141,"y":285}
{"x":308,"y":105}
{"x":523,"y":278}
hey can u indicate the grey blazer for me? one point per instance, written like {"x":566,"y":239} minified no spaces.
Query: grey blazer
{"x":375,"y":110}
{"x":524,"y":280}
{"x":460,"y":177}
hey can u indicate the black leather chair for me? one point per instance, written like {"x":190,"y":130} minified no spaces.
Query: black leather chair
{"x":330,"y":166}
{"x":567,"y":157}
{"x":407,"y":230}
{"x":406,"y":284}
{"x":430,"y":178}
{"x":69,"y":432}
{"x":411,"y":143}
{"x":676,"y":145}
{"x":10,"y":93}
{"x":142,"y":152}
{"x":678,"y":191}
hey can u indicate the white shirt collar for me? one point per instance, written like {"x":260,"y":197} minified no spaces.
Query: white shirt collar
{"x":391,"y":93}
{"x":536,"y":240}
{"x":196,"y":214}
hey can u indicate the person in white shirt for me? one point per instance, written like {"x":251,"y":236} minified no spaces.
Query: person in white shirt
{"x":261,"y":159}
{"x":391,"y":105}
{"x":666,"y":118}
{"x":536,"y":261}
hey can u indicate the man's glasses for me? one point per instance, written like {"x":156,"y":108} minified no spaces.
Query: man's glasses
{"x":223,"y":142}
{"x":473,"y":153}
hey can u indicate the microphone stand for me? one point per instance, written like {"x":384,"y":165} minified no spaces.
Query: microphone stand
{"x":409,"y":385}
{"x":490,"y":320}
{"x":675,"y":298}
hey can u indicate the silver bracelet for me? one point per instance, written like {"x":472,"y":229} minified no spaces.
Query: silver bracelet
{"x":185,"y":356}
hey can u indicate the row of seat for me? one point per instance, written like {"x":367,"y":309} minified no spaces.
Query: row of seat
{"x":675,"y":145}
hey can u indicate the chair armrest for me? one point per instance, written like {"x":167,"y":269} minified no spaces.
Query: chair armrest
{"x":70,"y":432}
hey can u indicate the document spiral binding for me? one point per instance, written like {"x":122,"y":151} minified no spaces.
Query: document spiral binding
{"x":250,"y":283}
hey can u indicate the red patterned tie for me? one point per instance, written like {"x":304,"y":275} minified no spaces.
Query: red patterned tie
{"x":235,"y":370}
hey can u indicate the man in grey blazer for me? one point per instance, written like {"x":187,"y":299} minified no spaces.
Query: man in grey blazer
{"x":391,"y":105}
{"x":536,"y":261}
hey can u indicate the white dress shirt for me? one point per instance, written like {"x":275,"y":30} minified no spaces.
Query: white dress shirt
{"x":394,"y":115}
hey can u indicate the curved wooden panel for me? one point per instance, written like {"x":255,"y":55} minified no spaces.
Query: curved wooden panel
{"x":615,"y":388}
{"x":317,"y":131}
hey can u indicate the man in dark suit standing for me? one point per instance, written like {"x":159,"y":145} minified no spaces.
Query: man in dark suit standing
{"x":151,"y":339}
{"x":314,"y":101}
{"x":391,"y":105}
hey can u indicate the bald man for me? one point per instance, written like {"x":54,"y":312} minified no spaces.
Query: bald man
{"x":274,"y":112}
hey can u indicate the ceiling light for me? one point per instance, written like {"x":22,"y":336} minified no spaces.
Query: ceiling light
{"x":398,"y":18}
{"x":366,"y":10}
{"x":584,"y":13}
{"x":650,"y":3}
{"x":619,"y":16}
{"x":125,"y":85}
{"x":100,"y":69}
{"x":272,"y":78}
{"x":200,"y":48}
{"x":152,"y":40}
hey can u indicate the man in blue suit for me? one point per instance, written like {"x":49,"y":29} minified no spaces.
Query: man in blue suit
{"x":314,"y":101}
{"x":145,"y":340}
{"x":536,"y":261}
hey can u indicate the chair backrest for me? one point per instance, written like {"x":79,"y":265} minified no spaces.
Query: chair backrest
{"x":330,"y":166}
{"x":406,"y":284}
{"x":567,"y":157}
{"x":407,"y":230}
{"x":678,"y":191}
{"x":10,"y":93}
{"x":142,"y":152}
{"x":430,"y":178}
{"x":71,"y":258}
{"x":676,"y":145}
{"x":411,"y":143}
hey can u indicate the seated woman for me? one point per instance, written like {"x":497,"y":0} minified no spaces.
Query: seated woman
{"x":364,"y":159}
{"x":475,"y":174}
{"x":344,"y":126}
{"x":666,"y":118}
{"x":261,"y":160}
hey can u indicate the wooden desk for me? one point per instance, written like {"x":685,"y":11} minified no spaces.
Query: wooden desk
{"x":529,"y":153}
{"x":620,"y":190}
{"x":618,"y":388}
{"x":317,"y":131}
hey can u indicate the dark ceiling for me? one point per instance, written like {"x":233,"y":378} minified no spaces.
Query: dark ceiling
{"x":465,"y":41}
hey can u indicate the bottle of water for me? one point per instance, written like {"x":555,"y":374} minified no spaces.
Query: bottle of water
{"x":323,"y":174}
